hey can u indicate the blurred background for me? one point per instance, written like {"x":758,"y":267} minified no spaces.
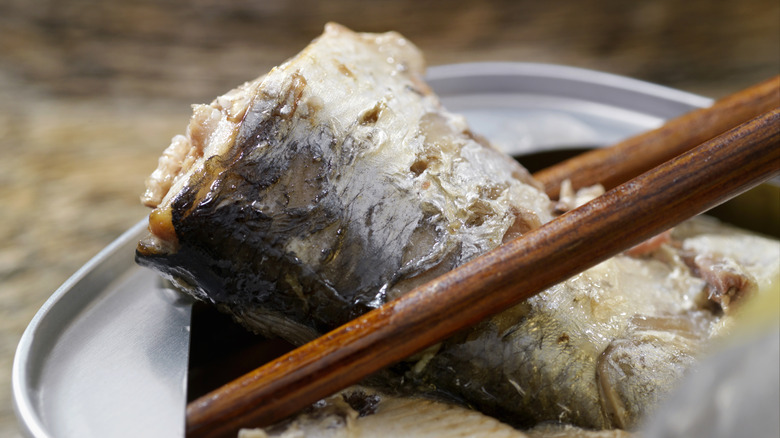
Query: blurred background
{"x":92,"y":92}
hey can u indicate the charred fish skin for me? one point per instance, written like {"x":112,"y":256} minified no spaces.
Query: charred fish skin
{"x":327,"y":187}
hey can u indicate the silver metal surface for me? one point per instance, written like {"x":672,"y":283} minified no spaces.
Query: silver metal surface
{"x":107,"y":354}
{"x":531,"y":107}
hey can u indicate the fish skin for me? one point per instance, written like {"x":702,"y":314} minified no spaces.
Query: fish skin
{"x":336,"y":183}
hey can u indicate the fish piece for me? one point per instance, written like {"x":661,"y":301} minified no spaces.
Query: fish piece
{"x":337,"y":182}
{"x":362,"y":412}
{"x":560,"y":355}
{"x":603,"y":348}
{"x":327,"y":187}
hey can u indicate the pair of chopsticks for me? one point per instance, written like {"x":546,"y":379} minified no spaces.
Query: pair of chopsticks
{"x":745,"y":152}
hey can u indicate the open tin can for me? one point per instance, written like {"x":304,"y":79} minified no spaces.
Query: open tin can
{"x":109,"y":354}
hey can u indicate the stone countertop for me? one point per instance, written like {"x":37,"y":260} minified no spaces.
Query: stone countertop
{"x":91,"y":93}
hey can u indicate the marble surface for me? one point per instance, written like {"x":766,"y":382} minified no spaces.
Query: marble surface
{"x":91,"y":92}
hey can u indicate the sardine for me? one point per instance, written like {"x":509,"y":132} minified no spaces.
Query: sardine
{"x":338,"y":182}
{"x":327,"y":187}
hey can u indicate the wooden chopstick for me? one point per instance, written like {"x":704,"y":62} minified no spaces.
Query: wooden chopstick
{"x":629,"y":158}
{"x":674,"y":191}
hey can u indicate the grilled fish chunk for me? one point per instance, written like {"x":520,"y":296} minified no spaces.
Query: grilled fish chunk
{"x":337,"y":182}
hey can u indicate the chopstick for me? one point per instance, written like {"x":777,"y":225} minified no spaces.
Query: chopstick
{"x":668,"y":194}
{"x":629,"y":158}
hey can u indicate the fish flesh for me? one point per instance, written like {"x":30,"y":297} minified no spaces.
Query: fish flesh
{"x":337,"y":182}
